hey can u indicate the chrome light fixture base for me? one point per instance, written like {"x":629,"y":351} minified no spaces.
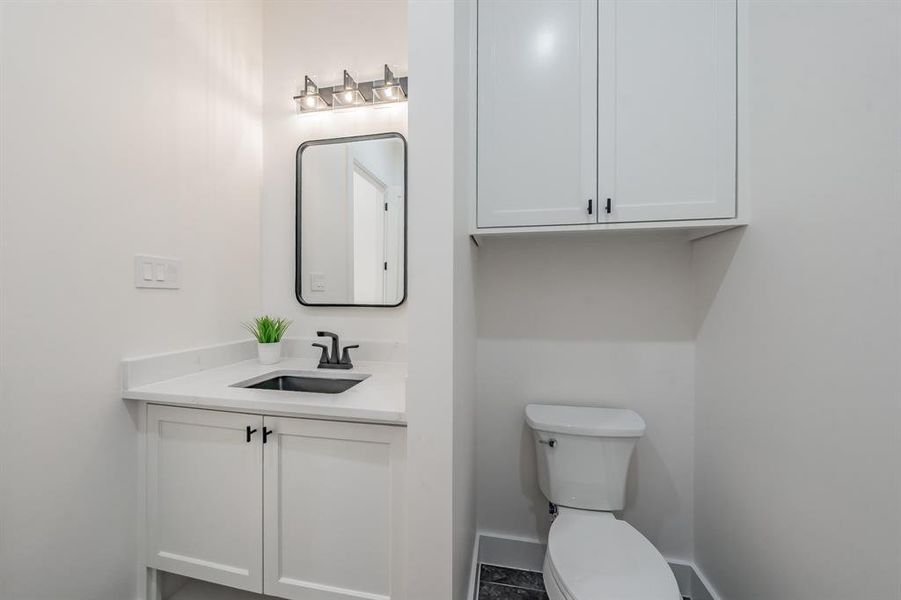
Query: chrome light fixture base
{"x":351,"y":93}
{"x":310,"y":99}
{"x":389,"y":89}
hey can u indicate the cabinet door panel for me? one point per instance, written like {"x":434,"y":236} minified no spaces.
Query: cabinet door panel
{"x":667,"y":109}
{"x":537,"y":112}
{"x":204,"y":500}
{"x":333,"y":510}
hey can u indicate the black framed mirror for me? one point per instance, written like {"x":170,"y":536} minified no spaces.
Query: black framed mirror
{"x":352,"y":221}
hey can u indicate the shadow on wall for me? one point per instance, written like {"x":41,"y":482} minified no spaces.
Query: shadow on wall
{"x":621,"y":287}
{"x":710,"y":260}
{"x":594,"y":321}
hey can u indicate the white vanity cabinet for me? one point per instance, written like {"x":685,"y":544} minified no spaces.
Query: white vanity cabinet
{"x":603,"y":113}
{"x":333,"y":518}
{"x":314,"y":512}
{"x":204,"y":495}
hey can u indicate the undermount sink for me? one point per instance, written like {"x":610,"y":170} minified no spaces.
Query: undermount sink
{"x":302,"y":382}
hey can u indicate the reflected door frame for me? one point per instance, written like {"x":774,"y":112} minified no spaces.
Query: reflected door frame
{"x":356,"y":168}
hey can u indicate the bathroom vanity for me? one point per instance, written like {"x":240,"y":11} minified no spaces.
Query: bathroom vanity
{"x":288,"y":479}
{"x":292,"y":494}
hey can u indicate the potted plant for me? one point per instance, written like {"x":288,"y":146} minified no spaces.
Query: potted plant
{"x":268,"y":331}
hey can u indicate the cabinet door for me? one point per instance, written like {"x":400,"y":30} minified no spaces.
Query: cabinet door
{"x":204,"y":500}
{"x":666,"y":109}
{"x":537,"y":112}
{"x":333,"y":524}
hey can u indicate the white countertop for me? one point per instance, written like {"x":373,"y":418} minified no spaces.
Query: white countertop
{"x":380,"y":398}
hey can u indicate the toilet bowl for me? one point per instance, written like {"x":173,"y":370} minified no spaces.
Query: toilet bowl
{"x":583,"y":457}
{"x":594,"y":556}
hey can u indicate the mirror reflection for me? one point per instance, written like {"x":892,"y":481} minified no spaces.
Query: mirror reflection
{"x":351,"y":201}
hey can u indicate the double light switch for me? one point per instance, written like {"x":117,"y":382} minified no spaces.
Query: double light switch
{"x":157,"y":272}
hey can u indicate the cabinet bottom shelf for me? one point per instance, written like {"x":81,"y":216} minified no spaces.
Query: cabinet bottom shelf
{"x":691,"y":229}
{"x":194,"y":589}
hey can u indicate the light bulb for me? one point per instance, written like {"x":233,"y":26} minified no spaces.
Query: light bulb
{"x":348,"y":96}
{"x":389,"y":92}
{"x":309,"y":101}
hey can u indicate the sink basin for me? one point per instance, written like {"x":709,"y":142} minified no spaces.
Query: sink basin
{"x":302,"y":382}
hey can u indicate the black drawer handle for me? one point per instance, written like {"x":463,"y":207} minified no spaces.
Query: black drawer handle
{"x":250,"y":433}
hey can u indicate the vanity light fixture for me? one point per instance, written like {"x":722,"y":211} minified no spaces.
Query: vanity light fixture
{"x":351,"y":93}
{"x":310,"y":99}
{"x":388,"y":90}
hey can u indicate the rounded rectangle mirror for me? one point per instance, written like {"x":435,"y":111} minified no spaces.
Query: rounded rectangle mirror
{"x":352,"y":221}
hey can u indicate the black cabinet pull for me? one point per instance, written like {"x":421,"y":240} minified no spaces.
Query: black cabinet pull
{"x":250,"y":433}
{"x":609,"y":206}
{"x":590,"y":206}
{"x":266,"y":432}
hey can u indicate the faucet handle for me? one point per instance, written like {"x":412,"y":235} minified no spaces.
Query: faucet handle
{"x":345,"y":356}
{"x":323,"y":358}
{"x":327,"y":334}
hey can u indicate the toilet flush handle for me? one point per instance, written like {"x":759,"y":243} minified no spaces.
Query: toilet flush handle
{"x":551,"y":442}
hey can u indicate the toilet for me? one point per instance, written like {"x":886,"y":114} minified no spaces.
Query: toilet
{"x":583,"y":458}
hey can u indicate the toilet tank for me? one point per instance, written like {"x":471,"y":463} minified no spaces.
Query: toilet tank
{"x":583,"y":453}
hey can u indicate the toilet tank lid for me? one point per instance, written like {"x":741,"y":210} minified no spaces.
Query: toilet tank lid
{"x":585,"y":420}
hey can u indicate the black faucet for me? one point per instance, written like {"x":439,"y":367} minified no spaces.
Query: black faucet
{"x":330,"y":360}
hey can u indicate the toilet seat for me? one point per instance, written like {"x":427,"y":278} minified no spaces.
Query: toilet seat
{"x":593,"y":556}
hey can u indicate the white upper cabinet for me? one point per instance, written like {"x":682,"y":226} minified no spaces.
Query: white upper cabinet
{"x":628,"y":100}
{"x":537,"y":105}
{"x":666,"y":109}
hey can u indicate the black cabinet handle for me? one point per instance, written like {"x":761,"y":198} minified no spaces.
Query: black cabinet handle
{"x":609,"y":206}
{"x":266,"y":433}
{"x":250,"y":433}
{"x":590,"y":206}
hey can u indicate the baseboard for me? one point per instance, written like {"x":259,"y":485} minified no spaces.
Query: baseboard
{"x":684,"y":577}
{"x":528,"y":554}
{"x":474,"y":570}
{"x":701,"y":587}
{"x":513,"y":552}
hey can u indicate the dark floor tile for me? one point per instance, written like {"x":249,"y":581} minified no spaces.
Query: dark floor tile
{"x":498,"y":591}
{"x":516,"y":577}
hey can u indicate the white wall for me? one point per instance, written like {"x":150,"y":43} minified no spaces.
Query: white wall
{"x":595,"y":320}
{"x":441,"y":385}
{"x":798,"y":464}
{"x":320,"y":38}
{"x":126,"y":128}
{"x":430,"y":387}
{"x":465,"y":267}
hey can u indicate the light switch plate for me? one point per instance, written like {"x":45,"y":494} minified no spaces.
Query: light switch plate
{"x":157,"y":272}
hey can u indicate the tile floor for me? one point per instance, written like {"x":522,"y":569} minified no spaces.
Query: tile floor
{"x":502,"y":583}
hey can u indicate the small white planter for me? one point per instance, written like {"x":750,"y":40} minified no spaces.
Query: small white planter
{"x":269,"y":354}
